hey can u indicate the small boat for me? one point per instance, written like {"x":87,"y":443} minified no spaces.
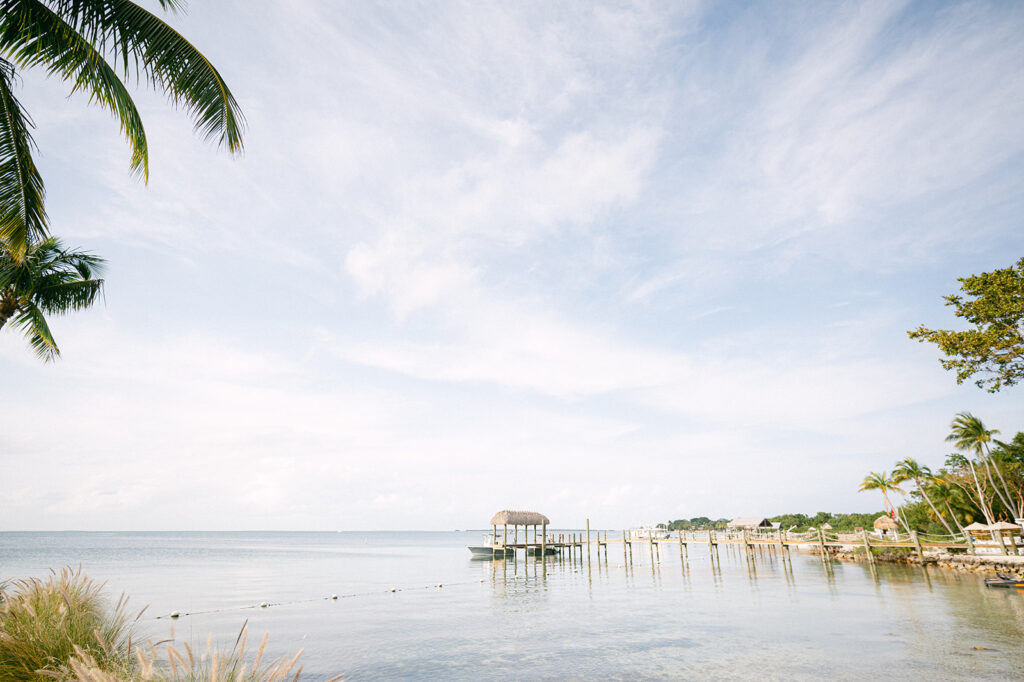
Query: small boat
{"x":490,"y":549}
{"x":1003,"y":580}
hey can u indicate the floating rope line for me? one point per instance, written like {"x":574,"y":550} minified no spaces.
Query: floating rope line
{"x":334,"y":597}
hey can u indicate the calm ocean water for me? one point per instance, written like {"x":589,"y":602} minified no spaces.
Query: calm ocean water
{"x":506,"y":620}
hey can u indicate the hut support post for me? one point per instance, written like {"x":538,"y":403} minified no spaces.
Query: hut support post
{"x":494,"y":539}
{"x":821,"y":544}
{"x":917,"y":546}
{"x":544,"y":546}
{"x":867,"y":546}
{"x":504,"y":536}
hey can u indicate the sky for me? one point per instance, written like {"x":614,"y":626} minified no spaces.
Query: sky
{"x":624,"y":262}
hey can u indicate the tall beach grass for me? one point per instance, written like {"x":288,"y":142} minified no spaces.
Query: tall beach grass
{"x":62,"y":628}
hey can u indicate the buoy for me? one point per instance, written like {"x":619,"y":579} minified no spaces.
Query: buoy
{"x":174,"y":614}
{"x":334,"y":596}
{"x":263,"y":604}
{"x":392,"y":589}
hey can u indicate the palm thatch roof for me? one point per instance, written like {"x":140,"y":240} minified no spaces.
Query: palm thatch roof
{"x":886,"y":522}
{"x":826,"y":526}
{"x":976,"y":526}
{"x":507,"y":517}
{"x":1003,"y":525}
{"x":750,"y":522}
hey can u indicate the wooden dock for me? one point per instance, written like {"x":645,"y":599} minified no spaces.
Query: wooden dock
{"x":584,"y":543}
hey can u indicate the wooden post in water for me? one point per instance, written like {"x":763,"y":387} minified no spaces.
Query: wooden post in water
{"x":821,"y":544}
{"x":544,"y":546}
{"x":867,"y":546}
{"x":494,"y":539}
{"x":504,"y":538}
{"x":588,"y":541}
{"x":650,"y":541}
{"x":917,"y":544}
{"x":625,"y":558}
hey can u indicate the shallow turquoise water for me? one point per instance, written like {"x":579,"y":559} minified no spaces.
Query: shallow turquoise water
{"x":507,"y":620}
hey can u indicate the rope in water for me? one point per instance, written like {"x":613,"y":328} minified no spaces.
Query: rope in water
{"x":333,"y":597}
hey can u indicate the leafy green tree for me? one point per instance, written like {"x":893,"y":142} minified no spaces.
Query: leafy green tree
{"x":48,"y":280}
{"x":96,"y":45}
{"x":908,"y":469}
{"x":993,"y":303}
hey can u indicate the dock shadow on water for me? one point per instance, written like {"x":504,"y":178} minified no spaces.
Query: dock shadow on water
{"x":669,"y":614}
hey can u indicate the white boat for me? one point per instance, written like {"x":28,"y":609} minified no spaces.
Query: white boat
{"x":490,"y":549}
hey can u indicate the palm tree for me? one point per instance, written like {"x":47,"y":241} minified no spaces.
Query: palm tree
{"x":48,"y":280}
{"x":969,"y":434}
{"x":908,"y":469}
{"x":884,"y":484}
{"x":93,"y":45}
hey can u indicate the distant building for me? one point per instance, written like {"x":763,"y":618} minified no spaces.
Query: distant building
{"x":750,"y":522}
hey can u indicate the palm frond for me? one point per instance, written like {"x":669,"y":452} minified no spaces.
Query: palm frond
{"x":33,"y":35}
{"x":164,"y":58}
{"x":22,"y":216}
{"x":174,"y":5}
{"x":32,"y":321}
{"x":63,"y":297}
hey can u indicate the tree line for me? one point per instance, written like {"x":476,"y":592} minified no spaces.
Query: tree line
{"x":982,"y":481}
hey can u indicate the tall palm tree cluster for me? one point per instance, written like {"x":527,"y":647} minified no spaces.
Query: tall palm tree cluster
{"x":96,"y":46}
{"x":978,"y":482}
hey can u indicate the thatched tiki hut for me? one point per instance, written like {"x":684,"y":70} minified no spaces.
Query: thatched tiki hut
{"x":885,"y":523}
{"x":508,"y":517}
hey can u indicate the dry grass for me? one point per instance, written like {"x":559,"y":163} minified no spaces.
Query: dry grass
{"x":61,"y":629}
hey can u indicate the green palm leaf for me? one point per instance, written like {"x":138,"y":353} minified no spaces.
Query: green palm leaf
{"x":37,"y":331}
{"x":22,"y":216}
{"x":163,"y":57}
{"x":33,"y":35}
{"x":47,"y":280}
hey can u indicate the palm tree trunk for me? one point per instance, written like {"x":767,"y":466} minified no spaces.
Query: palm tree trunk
{"x":8,"y":306}
{"x":981,"y":496}
{"x":953,"y":516}
{"x":992,"y":481}
{"x":1006,"y":488}
{"x":929,"y":501}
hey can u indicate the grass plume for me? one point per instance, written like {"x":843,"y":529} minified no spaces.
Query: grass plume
{"x":62,"y":629}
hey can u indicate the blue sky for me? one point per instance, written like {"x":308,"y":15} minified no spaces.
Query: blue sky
{"x":628,"y":262}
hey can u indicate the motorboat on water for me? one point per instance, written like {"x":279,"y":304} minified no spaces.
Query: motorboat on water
{"x":1004,"y":580}
{"x":490,"y":549}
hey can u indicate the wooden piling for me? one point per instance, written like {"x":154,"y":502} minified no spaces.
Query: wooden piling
{"x":544,"y":546}
{"x":588,"y":541}
{"x":650,"y":541}
{"x":625,"y":558}
{"x":917,"y":544}
{"x":867,"y":546}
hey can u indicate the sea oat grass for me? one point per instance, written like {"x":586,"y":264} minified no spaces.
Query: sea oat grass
{"x":166,"y":663}
{"x":62,"y":629}
{"x":43,"y":623}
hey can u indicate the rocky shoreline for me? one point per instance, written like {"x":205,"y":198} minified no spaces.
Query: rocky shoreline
{"x":974,"y":563}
